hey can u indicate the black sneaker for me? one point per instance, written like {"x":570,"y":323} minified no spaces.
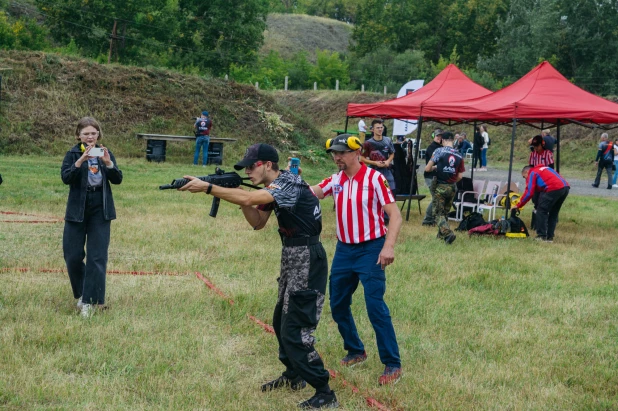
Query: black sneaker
{"x":450,"y":238}
{"x":427,"y":224}
{"x":320,"y":400}
{"x":296,"y":384}
{"x":595,"y":185}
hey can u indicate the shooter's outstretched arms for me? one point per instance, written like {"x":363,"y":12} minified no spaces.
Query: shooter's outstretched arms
{"x":232,"y":195}
{"x":245,"y":199}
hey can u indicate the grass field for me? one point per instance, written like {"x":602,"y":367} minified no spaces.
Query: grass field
{"x":483,"y":324}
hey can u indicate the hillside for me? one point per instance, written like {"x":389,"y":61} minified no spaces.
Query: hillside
{"x":43,"y":96}
{"x":291,"y":33}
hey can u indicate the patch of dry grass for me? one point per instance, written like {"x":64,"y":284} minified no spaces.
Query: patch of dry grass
{"x":288,"y":34}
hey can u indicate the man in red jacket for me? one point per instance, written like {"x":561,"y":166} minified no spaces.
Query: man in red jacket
{"x":553,"y":189}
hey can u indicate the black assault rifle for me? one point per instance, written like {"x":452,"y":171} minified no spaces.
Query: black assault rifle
{"x":219,"y":178}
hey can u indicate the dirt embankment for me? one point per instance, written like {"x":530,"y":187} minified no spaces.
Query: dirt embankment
{"x":44,"y":95}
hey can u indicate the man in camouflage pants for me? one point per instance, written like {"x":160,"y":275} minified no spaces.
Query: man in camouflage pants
{"x":448,"y":164}
{"x":304,"y":267}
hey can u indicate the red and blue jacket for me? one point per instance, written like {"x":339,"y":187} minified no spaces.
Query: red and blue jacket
{"x":541,"y":179}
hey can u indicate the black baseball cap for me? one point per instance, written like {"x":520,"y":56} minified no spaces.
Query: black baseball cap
{"x":340,"y":143}
{"x":258,"y":152}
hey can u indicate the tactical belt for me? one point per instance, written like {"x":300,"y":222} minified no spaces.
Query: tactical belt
{"x":300,"y":241}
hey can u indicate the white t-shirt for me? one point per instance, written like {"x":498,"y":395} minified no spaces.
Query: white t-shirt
{"x":615,"y":152}
{"x":362,"y":127}
{"x":485,"y":138}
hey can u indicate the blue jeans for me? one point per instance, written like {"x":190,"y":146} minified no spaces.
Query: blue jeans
{"x":615,"y":178}
{"x":484,"y":158}
{"x":354,"y":262}
{"x":201,"y":141}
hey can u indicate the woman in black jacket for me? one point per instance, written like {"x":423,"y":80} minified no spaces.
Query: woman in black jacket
{"x":90,"y":209}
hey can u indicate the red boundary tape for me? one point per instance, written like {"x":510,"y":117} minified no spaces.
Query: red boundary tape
{"x":62,"y":270}
{"x":215,"y":289}
{"x":372,"y":402}
{"x":51,"y":219}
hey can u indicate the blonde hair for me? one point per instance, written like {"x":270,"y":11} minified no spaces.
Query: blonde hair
{"x":87,"y":122}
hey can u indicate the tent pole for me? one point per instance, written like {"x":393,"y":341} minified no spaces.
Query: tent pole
{"x":558,"y":147}
{"x":474,"y":159}
{"x":345,"y":131}
{"x":508,"y":184}
{"x":414,"y":163}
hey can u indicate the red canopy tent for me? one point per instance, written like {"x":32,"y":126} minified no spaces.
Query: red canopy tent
{"x":450,"y":85}
{"x":542,"y":95}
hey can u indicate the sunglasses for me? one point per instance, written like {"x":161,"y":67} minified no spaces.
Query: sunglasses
{"x":254,"y":165}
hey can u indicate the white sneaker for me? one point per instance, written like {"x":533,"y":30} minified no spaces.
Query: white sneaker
{"x":87,"y":310}
{"x":80,"y":304}
{"x":615,"y":185}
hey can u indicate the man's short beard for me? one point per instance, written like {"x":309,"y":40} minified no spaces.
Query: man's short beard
{"x":342,"y":167}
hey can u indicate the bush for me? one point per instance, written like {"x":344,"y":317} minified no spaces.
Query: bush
{"x":23,"y":34}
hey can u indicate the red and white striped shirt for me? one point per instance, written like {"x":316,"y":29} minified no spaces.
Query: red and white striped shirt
{"x":544,"y":158}
{"x":358,"y":204}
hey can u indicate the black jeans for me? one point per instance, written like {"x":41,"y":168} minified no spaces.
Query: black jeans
{"x":302,"y":285}
{"x":607,"y":166}
{"x":88,"y":280}
{"x":547,"y":210}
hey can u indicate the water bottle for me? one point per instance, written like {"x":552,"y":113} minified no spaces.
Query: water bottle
{"x":495,"y":194}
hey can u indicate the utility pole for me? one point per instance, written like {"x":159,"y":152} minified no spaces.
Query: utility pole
{"x":112,"y":37}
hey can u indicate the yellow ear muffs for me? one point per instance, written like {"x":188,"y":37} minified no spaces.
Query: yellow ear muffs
{"x":329,"y":142}
{"x":354,"y":143}
{"x":82,"y":148}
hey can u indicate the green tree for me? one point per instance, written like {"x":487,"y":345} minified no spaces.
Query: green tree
{"x":328,"y":69}
{"x":531,"y":32}
{"x":222,"y":32}
{"x":22,"y":34}
{"x":189,"y":34}
{"x":384,"y":67}
{"x":300,"y":72}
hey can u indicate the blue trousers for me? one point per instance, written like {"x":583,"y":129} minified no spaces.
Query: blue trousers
{"x":351,"y":263}
{"x":201,"y":142}
{"x":484,"y":157}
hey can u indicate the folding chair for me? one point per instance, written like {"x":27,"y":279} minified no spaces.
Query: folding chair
{"x":460,"y":204}
{"x":490,"y":201}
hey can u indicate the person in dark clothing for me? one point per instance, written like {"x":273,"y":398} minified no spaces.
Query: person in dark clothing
{"x":462,"y":144}
{"x":304,"y":267}
{"x":448,"y":166}
{"x":604,"y":161}
{"x":429,"y":219}
{"x":202,"y":128}
{"x":90,"y":209}
{"x":477,"y":149}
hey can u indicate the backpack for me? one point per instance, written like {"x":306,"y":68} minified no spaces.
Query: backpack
{"x":471,"y":221}
{"x":517,"y":226}
{"x":513,"y":198}
{"x":488,"y":141}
